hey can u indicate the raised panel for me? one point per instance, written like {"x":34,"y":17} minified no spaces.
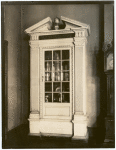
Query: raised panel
{"x":57,"y":111}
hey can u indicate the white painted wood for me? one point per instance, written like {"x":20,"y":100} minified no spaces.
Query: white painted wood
{"x":38,"y":26}
{"x":56,"y":118}
{"x":54,"y":113}
{"x":57,"y":111}
{"x":75,"y":23}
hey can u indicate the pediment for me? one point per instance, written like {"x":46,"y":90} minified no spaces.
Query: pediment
{"x":44,"y":25}
{"x":47,"y":24}
{"x":73,"y":24}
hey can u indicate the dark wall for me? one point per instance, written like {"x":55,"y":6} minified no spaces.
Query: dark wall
{"x":20,"y":17}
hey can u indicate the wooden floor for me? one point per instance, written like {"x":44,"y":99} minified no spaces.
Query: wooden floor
{"x":19,"y":138}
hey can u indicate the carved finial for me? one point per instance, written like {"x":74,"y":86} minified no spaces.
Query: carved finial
{"x":56,"y":23}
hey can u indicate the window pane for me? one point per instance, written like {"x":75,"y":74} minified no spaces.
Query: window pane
{"x":48,"y":66}
{"x":57,"y":97}
{"x":65,"y":65}
{"x":56,"y":66}
{"x":56,"y":87}
{"x":65,"y":98}
{"x":48,"y":55}
{"x":65,"y":87}
{"x":65,"y":54}
{"x":57,"y":76}
{"x":66,"y":76}
{"x":48,"y":76}
{"x":56,"y":55}
{"x":48,"y":97}
{"x":48,"y":87}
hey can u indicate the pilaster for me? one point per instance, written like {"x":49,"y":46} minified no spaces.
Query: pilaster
{"x":34,"y":78}
{"x":80,"y":119}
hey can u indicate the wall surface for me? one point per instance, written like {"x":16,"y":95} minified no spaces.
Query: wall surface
{"x":17,"y":103}
{"x":109,"y":22}
{"x":23,"y":16}
{"x":12,"y":27}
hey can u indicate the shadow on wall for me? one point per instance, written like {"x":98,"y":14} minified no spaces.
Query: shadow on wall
{"x":98,"y":133}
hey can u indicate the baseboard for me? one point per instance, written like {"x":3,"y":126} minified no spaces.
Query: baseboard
{"x":56,"y":135}
{"x":84,"y":138}
{"x":34,"y":134}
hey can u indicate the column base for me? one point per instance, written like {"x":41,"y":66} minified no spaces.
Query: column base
{"x":34,"y":123}
{"x":80,"y":127}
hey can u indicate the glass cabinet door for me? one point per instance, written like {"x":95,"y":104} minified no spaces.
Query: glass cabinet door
{"x":57,"y":76}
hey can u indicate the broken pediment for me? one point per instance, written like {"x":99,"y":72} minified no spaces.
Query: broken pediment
{"x":43,"y":25}
{"x":64,"y":23}
{"x":73,"y":24}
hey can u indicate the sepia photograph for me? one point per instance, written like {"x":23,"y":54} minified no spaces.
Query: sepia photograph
{"x":57,"y":74}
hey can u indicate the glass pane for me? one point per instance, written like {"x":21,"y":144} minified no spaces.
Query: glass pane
{"x":66,"y":76}
{"x":48,"y":76}
{"x":56,"y":55}
{"x":48,"y":97}
{"x":48,"y":55}
{"x":65,"y":98}
{"x":65,"y":54}
{"x":57,"y":76}
{"x":56,"y":66}
{"x":48,"y":87}
{"x":65,"y":87}
{"x":65,"y":65}
{"x":57,"y":97}
{"x":56,"y":87}
{"x":48,"y":66}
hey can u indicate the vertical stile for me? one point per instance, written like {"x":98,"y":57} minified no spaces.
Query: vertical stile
{"x":52,"y":76}
{"x":60,"y":77}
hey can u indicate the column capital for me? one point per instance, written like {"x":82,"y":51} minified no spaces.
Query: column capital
{"x":80,"y":41}
{"x":34,"y":45}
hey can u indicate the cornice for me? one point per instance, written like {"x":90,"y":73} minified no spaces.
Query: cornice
{"x":44,"y":28}
{"x":80,"y":41}
{"x":34,"y":28}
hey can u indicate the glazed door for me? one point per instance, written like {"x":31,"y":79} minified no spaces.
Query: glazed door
{"x":57,"y":101}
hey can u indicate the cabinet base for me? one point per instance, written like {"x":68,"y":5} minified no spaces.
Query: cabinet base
{"x":61,"y":128}
{"x":47,"y":126}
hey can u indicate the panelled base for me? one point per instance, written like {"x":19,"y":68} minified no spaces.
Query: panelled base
{"x":77,"y":129}
{"x":47,"y":126}
{"x":80,"y":127}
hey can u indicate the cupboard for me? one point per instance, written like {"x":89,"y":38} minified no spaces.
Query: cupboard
{"x":58,"y":78}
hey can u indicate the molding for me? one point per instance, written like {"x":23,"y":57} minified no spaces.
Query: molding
{"x":34,"y":134}
{"x":56,"y":120}
{"x":71,"y":79}
{"x":44,"y":22}
{"x":56,"y":43}
{"x":54,"y":47}
{"x":44,"y":28}
{"x":80,"y":138}
{"x":41,"y":83}
{"x":33,"y":45}
{"x":34,"y":115}
{"x":53,"y":32}
{"x":80,"y":41}
{"x":58,"y":135}
{"x":76,"y":23}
